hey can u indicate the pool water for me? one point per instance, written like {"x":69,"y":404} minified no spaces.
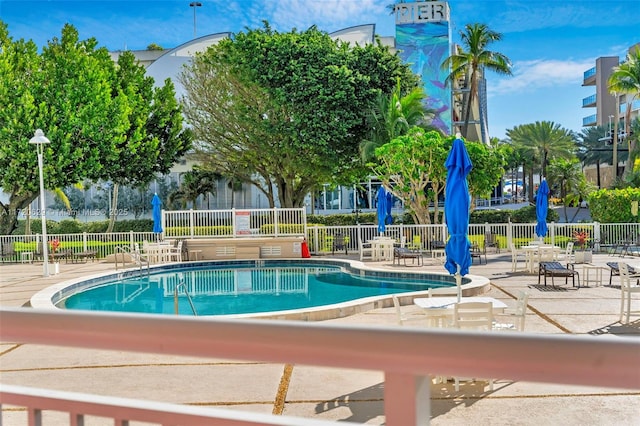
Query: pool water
{"x":240,"y":290}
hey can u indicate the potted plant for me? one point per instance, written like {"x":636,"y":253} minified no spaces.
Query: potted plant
{"x":582,"y":255}
{"x":55,"y":245}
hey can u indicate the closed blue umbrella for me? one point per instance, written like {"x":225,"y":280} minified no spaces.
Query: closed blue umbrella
{"x":456,"y":211}
{"x":157,"y":214}
{"x":542,"y":207}
{"x":382,"y":209}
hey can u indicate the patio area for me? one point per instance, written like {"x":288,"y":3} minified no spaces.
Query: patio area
{"x":335,"y":394}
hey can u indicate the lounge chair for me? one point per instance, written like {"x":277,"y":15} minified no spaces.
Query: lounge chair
{"x":405,"y":253}
{"x":615,"y":270}
{"x":555,"y":269}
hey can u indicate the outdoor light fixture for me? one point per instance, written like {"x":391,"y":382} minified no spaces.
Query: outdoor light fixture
{"x":194,"y":5}
{"x":39,"y":139}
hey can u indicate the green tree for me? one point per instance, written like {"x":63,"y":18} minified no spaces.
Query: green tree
{"x":392,"y":116}
{"x":286,"y":111}
{"x":411,"y":166}
{"x":567,"y":175}
{"x":65,"y":91}
{"x":593,"y":151}
{"x":625,"y":79}
{"x":194,"y":183}
{"x":543,"y":140}
{"x":472,"y":60}
{"x":154,"y":137}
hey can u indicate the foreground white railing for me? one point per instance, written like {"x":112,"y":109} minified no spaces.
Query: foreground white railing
{"x":407,"y":357}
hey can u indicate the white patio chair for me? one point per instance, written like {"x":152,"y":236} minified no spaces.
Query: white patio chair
{"x":568,"y":253}
{"x":403,"y":318}
{"x":175,"y":253}
{"x":473,"y":316}
{"x":516,"y":317}
{"x":626,"y":290}
{"x":517,"y":255}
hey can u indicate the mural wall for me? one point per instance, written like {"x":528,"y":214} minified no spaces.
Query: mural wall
{"x":423,"y":37}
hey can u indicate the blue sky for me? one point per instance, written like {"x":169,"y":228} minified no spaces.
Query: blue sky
{"x":551,"y":43}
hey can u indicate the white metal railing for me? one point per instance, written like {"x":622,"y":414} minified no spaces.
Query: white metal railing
{"x":407,"y":356}
{"x":233,"y":223}
{"x":602,"y":236}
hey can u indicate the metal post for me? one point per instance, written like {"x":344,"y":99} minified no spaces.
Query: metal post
{"x":39,"y":140}
{"x":194,"y":5}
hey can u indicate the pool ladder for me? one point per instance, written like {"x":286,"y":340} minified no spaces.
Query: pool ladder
{"x":137,"y":258}
{"x":186,"y":292}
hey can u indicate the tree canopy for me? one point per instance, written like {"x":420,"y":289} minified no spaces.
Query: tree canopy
{"x":412,"y":167}
{"x":101,"y":123}
{"x":286,"y":111}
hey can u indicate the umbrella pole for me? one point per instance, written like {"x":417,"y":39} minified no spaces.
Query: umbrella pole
{"x":459,"y":283}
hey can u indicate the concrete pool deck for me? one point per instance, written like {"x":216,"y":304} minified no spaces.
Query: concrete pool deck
{"x":335,"y":394}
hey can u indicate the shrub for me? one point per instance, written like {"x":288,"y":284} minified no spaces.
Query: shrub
{"x":613,"y":206}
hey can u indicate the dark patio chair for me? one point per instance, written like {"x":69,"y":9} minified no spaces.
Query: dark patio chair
{"x":340,"y":242}
{"x":491,"y":241}
{"x":477,"y":252}
{"x":405,"y":253}
{"x":615,"y":270}
{"x":6,"y":252}
{"x":555,"y":269}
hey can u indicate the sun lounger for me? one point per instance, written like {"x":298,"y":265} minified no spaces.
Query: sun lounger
{"x":405,"y":253}
{"x":555,"y":269}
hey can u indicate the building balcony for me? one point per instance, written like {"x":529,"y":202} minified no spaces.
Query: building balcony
{"x":589,"y":77}
{"x":589,"y":101}
{"x":590,"y":120}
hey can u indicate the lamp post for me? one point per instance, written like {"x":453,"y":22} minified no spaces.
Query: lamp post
{"x":39,"y":139}
{"x":615,"y":138}
{"x":194,"y":5}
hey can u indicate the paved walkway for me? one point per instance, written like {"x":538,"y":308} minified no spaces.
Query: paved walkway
{"x":351,"y":395}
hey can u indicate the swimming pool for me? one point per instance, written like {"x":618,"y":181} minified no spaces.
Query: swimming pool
{"x":239,"y":288}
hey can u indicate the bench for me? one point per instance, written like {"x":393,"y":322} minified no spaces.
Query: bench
{"x":405,"y":253}
{"x":85,"y":255}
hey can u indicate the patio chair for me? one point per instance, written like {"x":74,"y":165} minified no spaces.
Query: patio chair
{"x":516,"y":255}
{"x":473,"y":316}
{"x":615,"y":270}
{"x":405,"y":253}
{"x":555,"y":269}
{"x":175,"y":253}
{"x":407,"y":317}
{"x":491,"y":241}
{"x":340,"y":242}
{"x":477,"y":252}
{"x":626,"y":290}
{"x":7,"y":252}
{"x":516,"y":317}
{"x":366,"y":251}
{"x":568,"y":254}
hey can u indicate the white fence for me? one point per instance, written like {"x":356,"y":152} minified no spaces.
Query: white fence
{"x":233,"y":223}
{"x":603,"y":237}
{"x":408,"y":357}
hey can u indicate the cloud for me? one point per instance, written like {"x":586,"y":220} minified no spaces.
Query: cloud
{"x":529,"y":76}
{"x":327,"y":15}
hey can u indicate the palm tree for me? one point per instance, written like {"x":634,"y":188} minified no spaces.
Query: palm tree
{"x":567,"y":175}
{"x":471,"y":61}
{"x":593,"y":151}
{"x":195,"y":183}
{"x":543,"y":140}
{"x":625,"y":79}
{"x":392,"y":116}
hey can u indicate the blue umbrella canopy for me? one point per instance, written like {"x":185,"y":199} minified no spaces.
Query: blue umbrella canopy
{"x":157,"y":214}
{"x":542,"y":207}
{"x":456,"y":209}
{"x":382,"y":209}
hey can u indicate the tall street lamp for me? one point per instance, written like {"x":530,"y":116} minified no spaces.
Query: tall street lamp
{"x":194,"y":5}
{"x":39,"y":139}
{"x":615,"y":137}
